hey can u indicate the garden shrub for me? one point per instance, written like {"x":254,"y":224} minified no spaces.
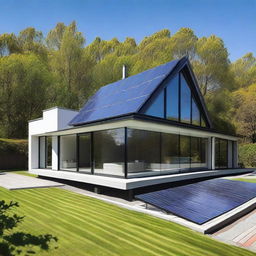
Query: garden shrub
{"x":247,"y":155}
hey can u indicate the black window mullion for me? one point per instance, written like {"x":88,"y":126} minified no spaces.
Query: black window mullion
{"x":125,"y":153}
{"x":58,"y":152}
{"x":92,"y":153}
{"x":77,"y":153}
{"x":179,"y":99}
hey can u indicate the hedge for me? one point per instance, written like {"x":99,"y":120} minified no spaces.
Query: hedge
{"x":13,"y":154}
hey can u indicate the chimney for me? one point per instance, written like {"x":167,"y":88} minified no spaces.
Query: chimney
{"x":124,"y":72}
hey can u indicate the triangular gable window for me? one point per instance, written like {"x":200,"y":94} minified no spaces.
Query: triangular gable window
{"x":176,"y":102}
{"x":157,"y":106}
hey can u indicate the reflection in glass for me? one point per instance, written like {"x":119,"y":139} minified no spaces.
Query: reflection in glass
{"x":185,"y":152}
{"x":221,"y":153}
{"x":109,"y":148}
{"x":42,"y":152}
{"x":48,"y":152}
{"x":68,"y":159}
{"x":157,"y":107}
{"x":172,"y":99}
{"x":185,"y":101}
{"x":195,"y":113}
{"x":170,"y":153}
{"x":84,"y":163}
{"x":143,"y":153}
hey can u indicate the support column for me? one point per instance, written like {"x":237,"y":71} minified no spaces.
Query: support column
{"x":55,"y":152}
{"x":33,"y":152}
{"x":213,"y":153}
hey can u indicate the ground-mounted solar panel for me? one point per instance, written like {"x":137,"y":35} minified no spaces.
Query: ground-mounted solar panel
{"x":123,"y":97}
{"x":202,"y":201}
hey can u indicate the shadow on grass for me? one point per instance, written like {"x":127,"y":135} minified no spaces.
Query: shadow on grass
{"x":17,"y":243}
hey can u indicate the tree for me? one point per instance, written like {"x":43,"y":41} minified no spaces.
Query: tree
{"x":244,"y":102}
{"x":244,"y":70}
{"x":24,"y":81}
{"x":69,"y":68}
{"x":211,"y":65}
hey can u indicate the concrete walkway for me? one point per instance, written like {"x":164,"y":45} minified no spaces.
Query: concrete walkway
{"x":14,"y":181}
{"x":241,"y":233}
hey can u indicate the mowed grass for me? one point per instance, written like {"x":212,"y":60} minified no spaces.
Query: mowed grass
{"x":246,"y":180}
{"x":22,"y":172}
{"x":86,"y":226}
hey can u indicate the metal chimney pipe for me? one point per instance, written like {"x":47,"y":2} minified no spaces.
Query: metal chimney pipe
{"x":124,"y":72}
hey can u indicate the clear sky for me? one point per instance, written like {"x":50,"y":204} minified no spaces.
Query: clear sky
{"x":232,"y":20}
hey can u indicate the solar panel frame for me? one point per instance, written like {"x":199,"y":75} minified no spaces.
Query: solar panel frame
{"x":205,"y":200}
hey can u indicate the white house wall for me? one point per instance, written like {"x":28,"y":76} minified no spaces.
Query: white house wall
{"x":53,"y":120}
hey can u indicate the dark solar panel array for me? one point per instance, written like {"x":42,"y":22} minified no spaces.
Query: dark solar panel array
{"x":202,"y":201}
{"x":124,"y":96}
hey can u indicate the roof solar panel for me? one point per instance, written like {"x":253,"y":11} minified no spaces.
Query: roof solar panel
{"x":202,"y":201}
{"x":123,"y":97}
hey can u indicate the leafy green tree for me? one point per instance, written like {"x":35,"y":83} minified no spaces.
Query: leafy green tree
{"x":244,"y":70}
{"x":24,"y":81}
{"x":212,"y":64}
{"x":9,"y":44}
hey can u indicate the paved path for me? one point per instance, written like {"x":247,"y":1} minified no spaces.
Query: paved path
{"x":241,"y":233}
{"x":13,"y":181}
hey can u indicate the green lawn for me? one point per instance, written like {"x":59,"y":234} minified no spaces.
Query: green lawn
{"x":86,"y":226}
{"x":22,"y":172}
{"x":246,"y":180}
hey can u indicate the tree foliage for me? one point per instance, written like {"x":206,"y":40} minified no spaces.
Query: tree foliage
{"x":38,"y":72}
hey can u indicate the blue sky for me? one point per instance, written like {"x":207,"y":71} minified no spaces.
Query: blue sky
{"x":232,"y":20}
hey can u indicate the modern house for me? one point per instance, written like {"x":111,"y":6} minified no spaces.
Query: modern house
{"x":146,"y":129}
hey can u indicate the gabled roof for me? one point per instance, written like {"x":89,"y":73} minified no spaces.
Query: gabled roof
{"x":128,"y":96}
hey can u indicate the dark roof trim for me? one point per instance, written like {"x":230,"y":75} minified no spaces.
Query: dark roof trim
{"x":142,"y":117}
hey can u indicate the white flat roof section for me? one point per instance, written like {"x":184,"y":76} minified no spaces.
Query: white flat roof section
{"x":132,"y":183}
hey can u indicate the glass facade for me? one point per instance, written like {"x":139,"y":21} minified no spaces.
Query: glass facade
{"x":143,"y":153}
{"x":127,"y":152}
{"x":84,"y":153}
{"x":185,"y":101}
{"x":108,"y":155}
{"x":68,"y":159}
{"x":45,"y":152}
{"x":172,"y":99}
{"x":42,"y":152}
{"x":221,"y":153}
{"x":195,"y":113}
{"x":170,"y":153}
{"x":176,"y":102}
{"x":157,"y":107}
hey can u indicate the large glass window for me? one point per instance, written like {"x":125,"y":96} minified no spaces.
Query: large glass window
{"x":198,"y":153}
{"x":68,"y":159}
{"x":143,"y":153}
{"x":48,"y":152}
{"x":42,"y":152}
{"x":185,"y":155}
{"x":221,"y":153}
{"x":185,"y":101}
{"x":195,"y":113}
{"x":157,"y":107}
{"x":172,"y":99}
{"x":45,"y":152}
{"x":84,"y":162}
{"x":109,"y":146}
{"x":170,"y":153}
